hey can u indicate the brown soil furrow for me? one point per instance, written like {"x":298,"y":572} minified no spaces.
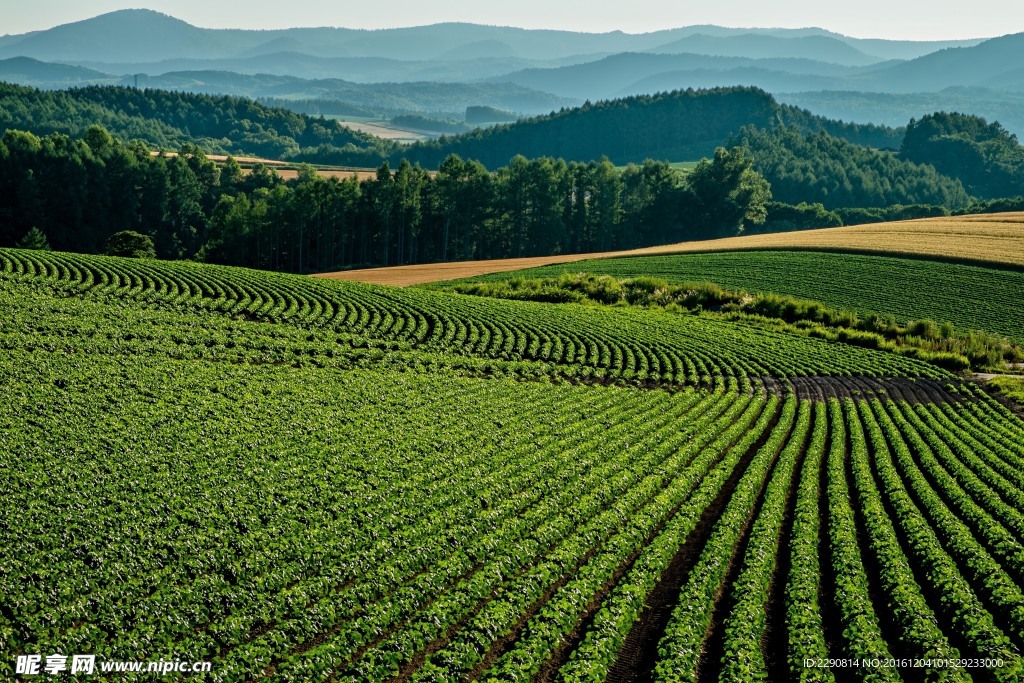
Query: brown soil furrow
{"x":639,"y":654}
{"x":891,"y":630}
{"x":710,"y":660}
{"x":561,"y":654}
{"x":775,"y":644}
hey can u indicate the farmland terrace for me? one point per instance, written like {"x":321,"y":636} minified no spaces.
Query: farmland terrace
{"x":300,"y":479}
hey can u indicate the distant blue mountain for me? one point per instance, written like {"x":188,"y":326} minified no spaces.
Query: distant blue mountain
{"x":144,"y":37}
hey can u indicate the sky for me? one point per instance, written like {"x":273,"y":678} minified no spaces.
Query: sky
{"x":900,"y":19}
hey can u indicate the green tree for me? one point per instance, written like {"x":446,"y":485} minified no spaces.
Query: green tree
{"x":98,"y":139}
{"x":464,"y":198}
{"x":605,"y":207}
{"x":724,"y":194}
{"x":131,"y":244}
{"x":34,"y":239}
{"x":409,"y":181}
{"x":986,"y":158}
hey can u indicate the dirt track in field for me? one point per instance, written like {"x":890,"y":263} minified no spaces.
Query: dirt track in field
{"x":986,"y":238}
{"x":896,"y":388}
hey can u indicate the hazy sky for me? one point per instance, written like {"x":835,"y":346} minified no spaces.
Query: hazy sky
{"x":909,"y":19}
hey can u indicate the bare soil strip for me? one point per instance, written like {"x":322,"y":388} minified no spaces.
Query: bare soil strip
{"x":818,"y":389}
{"x":775,"y":643}
{"x":827,"y":604}
{"x":984,"y":238}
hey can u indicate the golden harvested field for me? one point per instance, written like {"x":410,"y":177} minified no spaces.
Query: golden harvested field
{"x":291,"y":173}
{"x":987,"y":238}
{"x":387,"y":132}
{"x":285,"y":168}
{"x":221,"y":158}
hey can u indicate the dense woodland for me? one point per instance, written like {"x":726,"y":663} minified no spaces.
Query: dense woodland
{"x":73,"y":185}
{"x":164,"y":119}
{"x":79,"y":192}
{"x":675,"y":126}
{"x":987,"y":159}
{"x":817,"y":167}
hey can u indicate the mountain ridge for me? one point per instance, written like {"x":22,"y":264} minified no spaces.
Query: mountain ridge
{"x":126,"y":36}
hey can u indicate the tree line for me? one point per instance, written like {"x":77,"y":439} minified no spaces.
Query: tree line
{"x":79,"y":192}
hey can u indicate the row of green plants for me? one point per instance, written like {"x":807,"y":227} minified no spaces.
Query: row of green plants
{"x":859,"y":620}
{"x":977,"y":540}
{"x":743,"y":656}
{"x":333,"y":322}
{"x":680,"y":651}
{"x":293,"y":531}
{"x":567,"y":600}
{"x":924,"y":339}
{"x":893,"y":288}
{"x":554,"y":525}
{"x":917,"y":624}
{"x":623,"y":606}
{"x":805,"y":628}
{"x":300,"y":480}
{"x":960,"y":605}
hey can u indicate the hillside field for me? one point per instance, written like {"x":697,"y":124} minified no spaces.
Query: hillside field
{"x":298,"y":479}
{"x":969,"y":296}
{"x":985,"y":239}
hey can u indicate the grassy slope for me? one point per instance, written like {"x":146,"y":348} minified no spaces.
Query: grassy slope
{"x":970,"y":297}
{"x":333,"y":324}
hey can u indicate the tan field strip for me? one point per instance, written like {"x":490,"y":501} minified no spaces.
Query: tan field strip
{"x":221,"y":158}
{"x":986,"y":238}
{"x":286,"y":173}
{"x":387,"y":132}
{"x":292,"y":174}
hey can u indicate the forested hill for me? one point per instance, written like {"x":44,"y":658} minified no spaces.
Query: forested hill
{"x":817,"y":167}
{"x":674,"y":126}
{"x":218,"y":124}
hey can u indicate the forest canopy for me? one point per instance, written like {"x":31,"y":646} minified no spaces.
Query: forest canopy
{"x":79,"y":192}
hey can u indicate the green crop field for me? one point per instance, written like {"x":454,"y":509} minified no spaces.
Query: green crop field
{"x":306,"y":480}
{"x":968,"y":296}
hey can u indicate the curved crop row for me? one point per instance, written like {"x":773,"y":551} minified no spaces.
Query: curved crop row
{"x":631,"y":345}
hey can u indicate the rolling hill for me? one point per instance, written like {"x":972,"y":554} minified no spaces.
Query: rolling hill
{"x":990,"y":64}
{"x":28,"y":71}
{"x":994,"y":63}
{"x":889,"y":109}
{"x":760,"y":46}
{"x":559,"y":68}
{"x":676,"y":126}
{"x":997,"y":241}
{"x":165,"y":119}
{"x":383,"y":98}
{"x":125,"y":37}
{"x":353,"y":471}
